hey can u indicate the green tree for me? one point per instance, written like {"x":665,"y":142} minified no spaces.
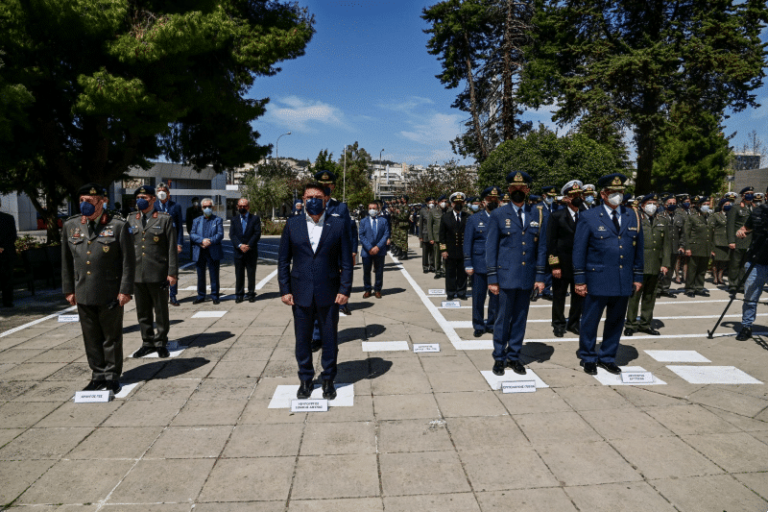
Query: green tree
{"x":358,"y":180}
{"x":324,"y":162}
{"x":435,"y":181}
{"x":625,"y":64}
{"x":549,"y":159}
{"x":110,"y":84}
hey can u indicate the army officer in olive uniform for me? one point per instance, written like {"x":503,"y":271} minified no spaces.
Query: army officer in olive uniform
{"x":736,"y":217}
{"x":657,"y":256}
{"x":698,"y":246}
{"x":157,"y":263}
{"x":97,"y":268}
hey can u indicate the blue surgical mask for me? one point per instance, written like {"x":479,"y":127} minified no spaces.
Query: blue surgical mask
{"x":727,"y":207}
{"x":314,"y":206}
{"x":589,"y":199}
{"x":671,"y":207}
{"x":142,"y":204}
{"x":87,"y":208}
{"x":749,"y":197}
{"x":207,"y":211}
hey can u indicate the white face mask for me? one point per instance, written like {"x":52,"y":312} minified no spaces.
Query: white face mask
{"x":589,"y":199}
{"x":373,"y":212}
{"x":443,"y":204}
{"x":548,"y":199}
{"x":162,"y":195}
{"x":650,"y":209}
{"x":474,"y":207}
{"x":616,"y":198}
{"x":431,"y":205}
{"x":705,"y":208}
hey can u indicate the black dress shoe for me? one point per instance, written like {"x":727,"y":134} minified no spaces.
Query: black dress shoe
{"x":305,"y":390}
{"x":690,"y":294}
{"x":461,"y":297}
{"x":547,"y":296}
{"x":345,"y":310}
{"x":143,"y":351}
{"x":498,"y":368}
{"x":651,"y":331}
{"x":609,"y":367}
{"x":744,"y":334}
{"x":329,"y":390}
{"x":94,"y":385}
{"x":702,"y":293}
{"x":559,"y":332}
{"x":316,"y":345}
{"x":113,"y":386}
{"x":478,"y":332}
{"x":216,"y":301}
{"x":489,"y":330}
{"x":175,"y":303}
{"x":517,"y":367}
{"x":426,"y":271}
{"x":163,"y":353}
{"x":667,"y":295}
{"x":198,"y":301}
{"x":629,"y":331}
{"x":574,"y":329}
{"x":252,"y":298}
{"x":238,"y":300}
{"x":590,"y":368}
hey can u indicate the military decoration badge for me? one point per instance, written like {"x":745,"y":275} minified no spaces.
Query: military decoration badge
{"x":156,"y":239}
{"x":105,"y":248}
{"x":534,"y":224}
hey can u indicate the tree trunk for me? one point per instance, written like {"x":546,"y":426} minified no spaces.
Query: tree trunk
{"x":646,"y":148}
{"x":473,"y":107}
{"x":507,"y":107}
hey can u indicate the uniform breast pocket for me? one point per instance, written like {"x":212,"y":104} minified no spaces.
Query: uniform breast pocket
{"x":108,"y":246}
{"x":595,"y":268}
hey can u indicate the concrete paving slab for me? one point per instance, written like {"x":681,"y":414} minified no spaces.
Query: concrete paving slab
{"x":406,"y":407}
{"x":406,"y":436}
{"x":690,"y":419}
{"x":456,"y":502}
{"x":472,"y":403}
{"x":239,"y":480}
{"x":627,"y":423}
{"x":587,"y":463}
{"x":189,"y":443}
{"x":143,"y":413}
{"x":709,"y":494}
{"x":474,"y":435}
{"x":17,"y":475}
{"x":266,"y":440}
{"x":116,"y":443}
{"x":625,"y":497}
{"x":677,"y":356}
{"x":489,"y":473}
{"x":44,"y":443}
{"x":556,"y":427}
{"x":422,"y":473}
{"x":168,"y":480}
{"x":339,"y":438}
{"x":713,"y":375}
{"x":734,"y":452}
{"x":209,"y":413}
{"x":76,"y":481}
{"x":346,"y":505}
{"x":590,"y":398}
{"x":665,"y":457}
{"x":343,"y":476}
{"x":528,"y":500}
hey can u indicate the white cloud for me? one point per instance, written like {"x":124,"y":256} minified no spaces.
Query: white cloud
{"x":434,"y":130}
{"x":762,"y":111}
{"x":408,"y":104}
{"x":303,"y":115}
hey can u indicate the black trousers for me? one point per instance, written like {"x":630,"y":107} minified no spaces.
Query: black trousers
{"x":151,"y":308}
{"x":303,"y":324}
{"x":6,"y":279}
{"x":559,"y":291}
{"x":247,"y":262}
{"x":103,"y":336}
{"x":455,"y":278}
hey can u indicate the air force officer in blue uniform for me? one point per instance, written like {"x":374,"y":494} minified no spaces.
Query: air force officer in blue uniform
{"x":475,"y":235}
{"x":607,"y":269}
{"x":315,"y":277}
{"x":516,"y":256}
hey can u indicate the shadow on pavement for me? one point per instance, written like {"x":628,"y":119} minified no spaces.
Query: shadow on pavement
{"x":350,"y":372}
{"x":538,"y":352}
{"x":625,"y":355}
{"x":211,"y":338}
{"x":162,"y":369}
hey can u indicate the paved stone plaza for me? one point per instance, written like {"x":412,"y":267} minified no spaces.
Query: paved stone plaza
{"x":415,"y":432}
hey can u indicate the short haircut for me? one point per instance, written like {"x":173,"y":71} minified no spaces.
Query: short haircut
{"x":195,"y":199}
{"x":314,"y":186}
{"x":206,"y":199}
{"x":163,"y":186}
{"x":374,"y":202}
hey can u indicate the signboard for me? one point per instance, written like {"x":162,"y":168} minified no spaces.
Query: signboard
{"x":437,"y":291}
{"x":637,"y":377}
{"x":93,"y":397}
{"x":451,"y":304}
{"x":519,"y":386}
{"x":426,"y":347}
{"x":69,"y":318}
{"x":309,"y":405}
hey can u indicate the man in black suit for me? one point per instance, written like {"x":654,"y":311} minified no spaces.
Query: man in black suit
{"x":562,"y":226}
{"x":7,"y":257}
{"x":245,"y":232}
{"x":193,"y":212}
{"x":452,"y":227}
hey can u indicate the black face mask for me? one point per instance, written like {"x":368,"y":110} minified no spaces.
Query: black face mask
{"x":458,"y":207}
{"x":491,"y":206}
{"x":518,"y":196}
{"x":577,"y":202}
{"x":242,"y":211}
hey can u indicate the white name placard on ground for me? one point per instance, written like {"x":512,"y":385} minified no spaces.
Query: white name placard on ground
{"x":637,"y":377}
{"x":520,"y":386}
{"x":437,"y":291}
{"x":451,"y":304}
{"x":209,"y":314}
{"x":309,"y":405}
{"x":285,"y":395}
{"x":609,"y":379}
{"x":426,"y":347}
{"x":69,"y":318}
{"x":93,"y":397}
{"x":495,"y":381}
{"x":385,"y":346}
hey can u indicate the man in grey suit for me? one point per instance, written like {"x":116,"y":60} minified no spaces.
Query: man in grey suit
{"x":97,"y":267}
{"x":157,"y":264}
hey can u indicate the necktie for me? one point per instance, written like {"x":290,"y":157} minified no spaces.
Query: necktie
{"x":144,"y":220}
{"x":375,"y":224}
{"x":616,"y":221}
{"x":520,"y":215}
{"x":576,"y":217}
{"x":92,"y":226}
{"x":244,"y":222}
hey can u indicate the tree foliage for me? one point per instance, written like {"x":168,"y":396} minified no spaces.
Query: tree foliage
{"x":435,"y":181}
{"x":358,"y":182}
{"x":109,"y":84}
{"x":550,"y":160}
{"x":616,"y":64}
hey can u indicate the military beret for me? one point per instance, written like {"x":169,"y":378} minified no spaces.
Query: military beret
{"x":442,"y":198}
{"x":458,"y":197}
{"x":325,"y":177}
{"x":91,"y":189}
{"x":613,"y":181}
{"x":519,"y":178}
{"x":549,"y":190}
{"x":428,"y":199}
{"x":144,"y":189}
{"x":746,"y":190}
{"x":649,"y":197}
{"x":573,"y":186}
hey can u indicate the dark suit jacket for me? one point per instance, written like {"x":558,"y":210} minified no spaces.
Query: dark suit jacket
{"x":250,"y":238}
{"x":174,"y":210}
{"x":192,"y":214}
{"x":315,"y":276}
{"x":8,"y":237}
{"x":560,"y":232}
{"x":452,"y":234}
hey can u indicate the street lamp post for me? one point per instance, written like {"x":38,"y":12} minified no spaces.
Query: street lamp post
{"x":277,"y":154}
{"x":380,"y":152}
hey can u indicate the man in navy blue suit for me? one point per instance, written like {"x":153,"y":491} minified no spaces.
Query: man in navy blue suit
{"x":245,"y":232}
{"x":174,"y":210}
{"x":206,"y":237}
{"x":516,"y":255}
{"x":475,"y":235}
{"x":315,"y":277}
{"x":374,"y":233}
{"x":607,"y":269}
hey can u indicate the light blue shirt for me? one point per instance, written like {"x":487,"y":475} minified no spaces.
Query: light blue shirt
{"x":517,"y":209}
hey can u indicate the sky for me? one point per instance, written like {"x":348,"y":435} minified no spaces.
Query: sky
{"x":367,"y":77}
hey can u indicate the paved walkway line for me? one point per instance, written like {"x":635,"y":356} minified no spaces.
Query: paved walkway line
{"x":264,"y":281}
{"x":39,"y":320}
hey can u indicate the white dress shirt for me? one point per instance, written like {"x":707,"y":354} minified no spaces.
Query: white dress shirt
{"x":610,"y":211}
{"x":315,"y":230}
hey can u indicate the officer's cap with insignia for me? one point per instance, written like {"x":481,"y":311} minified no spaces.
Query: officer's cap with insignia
{"x":325,"y":177}
{"x":666,"y":196}
{"x":759,"y":195}
{"x":458,"y":197}
{"x":682,"y":197}
{"x":489,"y":192}
{"x":441,"y":198}
{"x":731,"y":196}
{"x":722,"y":202}
{"x":613,"y":181}
{"x":549,"y":190}
{"x":91,"y":189}
{"x":589,"y":189}
{"x":572,"y":187}
{"x":506,"y":197}
{"x":519,"y":178}
{"x":144,"y":189}
{"x":649,"y":197}
{"x":701,"y":199}
{"x":747,"y":190}
{"x":533,"y":198}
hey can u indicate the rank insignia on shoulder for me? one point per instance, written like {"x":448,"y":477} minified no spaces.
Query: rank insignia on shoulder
{"x":534,"y":224}
{"x":480,"y":225}
{"x":106,"y":248}
{"x":601,"y":228}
